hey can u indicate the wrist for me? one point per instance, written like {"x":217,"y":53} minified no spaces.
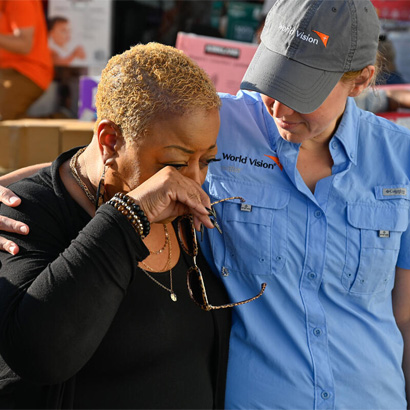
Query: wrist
{"x":129,"y":208}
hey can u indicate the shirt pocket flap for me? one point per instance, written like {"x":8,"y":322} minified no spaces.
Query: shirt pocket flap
{"x":258,"y":195}
{"x":376,"y":217}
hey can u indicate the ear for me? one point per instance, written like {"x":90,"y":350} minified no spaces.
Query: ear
{"x":363,"y":81}
{"x":109,"y":139}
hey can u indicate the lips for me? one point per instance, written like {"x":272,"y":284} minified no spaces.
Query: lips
{"x":286,"y":125}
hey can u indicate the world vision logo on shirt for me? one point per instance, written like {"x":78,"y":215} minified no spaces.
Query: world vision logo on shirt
{"x":323,"y":37}
{"x":255,"y":162}
{"x":303,"y":36}
{"x":276,"y":160}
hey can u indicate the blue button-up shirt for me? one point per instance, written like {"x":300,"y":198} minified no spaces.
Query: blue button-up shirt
{"x":323,"y":335}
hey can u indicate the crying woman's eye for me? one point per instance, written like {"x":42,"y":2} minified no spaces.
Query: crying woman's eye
{"x":176,"y":166}
{"x":213,"y":160}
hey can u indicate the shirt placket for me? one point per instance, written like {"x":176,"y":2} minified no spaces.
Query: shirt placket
{"x":317,"y":334}
{"x":311,"y":280}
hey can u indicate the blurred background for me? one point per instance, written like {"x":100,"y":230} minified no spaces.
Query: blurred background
{"x":94,"y":30}
{"x":221,"y":36}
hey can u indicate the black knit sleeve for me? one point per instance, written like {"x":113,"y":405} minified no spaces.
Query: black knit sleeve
{"x":58,"y":297}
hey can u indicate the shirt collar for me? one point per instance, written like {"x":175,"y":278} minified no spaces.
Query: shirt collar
{"x":348,"y":130}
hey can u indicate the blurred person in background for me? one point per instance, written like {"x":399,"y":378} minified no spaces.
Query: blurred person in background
{"x":387,"y":99}
{"x":26,"y":68}
{"x":59,"y":41}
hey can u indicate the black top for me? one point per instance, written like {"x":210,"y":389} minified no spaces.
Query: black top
{"x":81,"y":326}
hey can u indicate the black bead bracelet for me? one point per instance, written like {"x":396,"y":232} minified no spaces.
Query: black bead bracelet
{"x":132,"y":211}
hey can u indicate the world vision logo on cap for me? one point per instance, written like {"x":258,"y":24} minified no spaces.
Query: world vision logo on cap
{"x":276,"y":161}
{"x":323,"y":37}
{"x":291,"y":31}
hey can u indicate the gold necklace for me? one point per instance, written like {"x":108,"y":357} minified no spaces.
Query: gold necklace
{"x":165,"y":244}
{"x":172,"y":294}
{"x":74,"y":173}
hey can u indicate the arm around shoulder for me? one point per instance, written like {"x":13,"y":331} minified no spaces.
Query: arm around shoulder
{"x":401,"y":309}
{"x":21,"y":173}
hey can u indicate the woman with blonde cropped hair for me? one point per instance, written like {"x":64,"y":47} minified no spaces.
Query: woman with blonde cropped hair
{"x":95,"y":311}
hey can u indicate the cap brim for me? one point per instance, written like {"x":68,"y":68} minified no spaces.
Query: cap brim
{"x":298,"y":86}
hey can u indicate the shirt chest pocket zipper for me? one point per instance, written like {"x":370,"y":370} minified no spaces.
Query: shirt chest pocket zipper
{"x":254,"y":237}
{"x":373,"y":234}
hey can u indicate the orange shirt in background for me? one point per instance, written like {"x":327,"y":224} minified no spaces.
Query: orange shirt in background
{"x":37,"y":64}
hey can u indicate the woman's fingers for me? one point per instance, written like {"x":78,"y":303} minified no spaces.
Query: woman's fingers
{"x":8,"y":197}
{"x":10,"y":225}
{"x":169,"y":194}
{"x":8,"y":246}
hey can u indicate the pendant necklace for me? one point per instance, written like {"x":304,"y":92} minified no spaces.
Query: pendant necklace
{"x":165,"y":244}
{"x":91,"y":197}
{"x":172,"y":294}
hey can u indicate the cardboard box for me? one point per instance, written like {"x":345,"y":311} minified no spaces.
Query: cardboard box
{"x":76,"y":134}
{"x":28,"y":142}
{"x":33,"y":141}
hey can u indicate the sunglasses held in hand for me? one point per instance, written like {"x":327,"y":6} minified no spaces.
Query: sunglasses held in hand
{"x":195,"y":280}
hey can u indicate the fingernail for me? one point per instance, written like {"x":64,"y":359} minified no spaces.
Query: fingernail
{"x":13,"y":249}
{"x":13,"y":199}
{"x":23,"y":229}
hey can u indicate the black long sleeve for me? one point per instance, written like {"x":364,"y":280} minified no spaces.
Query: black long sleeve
{"x":81,"y":326}
{"x":52,"y":298}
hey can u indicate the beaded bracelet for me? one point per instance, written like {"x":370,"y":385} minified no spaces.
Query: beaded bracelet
{"x":132,"y":211}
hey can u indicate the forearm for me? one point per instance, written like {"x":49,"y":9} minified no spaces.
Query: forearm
{"x":20,"y":42}
{"x":398,"y":98}
{"x":58,"y":312}
{"x":21,"y":173}
{"x":401,"y":309}
{"x":58,"y":60}
{"x":405,"y":330}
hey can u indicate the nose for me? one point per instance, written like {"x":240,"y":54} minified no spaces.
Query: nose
{"x":280,"y":110}
{"x":193,"y":172}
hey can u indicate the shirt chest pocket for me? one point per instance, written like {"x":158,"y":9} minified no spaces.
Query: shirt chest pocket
{"x":254,"y":233}
{"x":373,"y":234}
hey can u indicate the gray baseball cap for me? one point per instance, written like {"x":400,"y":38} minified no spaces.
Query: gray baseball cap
{"x":306,"y":47}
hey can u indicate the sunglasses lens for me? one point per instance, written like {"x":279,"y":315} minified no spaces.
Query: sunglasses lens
{"x":186,"y":236}
{"x":195,"y":285}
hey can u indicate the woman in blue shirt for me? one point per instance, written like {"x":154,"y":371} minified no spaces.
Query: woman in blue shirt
{"x":326,"y":226}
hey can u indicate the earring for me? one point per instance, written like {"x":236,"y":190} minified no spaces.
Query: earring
{"x":99,"y":200}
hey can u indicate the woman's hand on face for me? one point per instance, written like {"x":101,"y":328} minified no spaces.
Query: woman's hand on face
{"x":8,"y":198}
{"x":169,"y":194}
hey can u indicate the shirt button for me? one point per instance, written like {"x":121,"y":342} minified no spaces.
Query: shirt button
{"x":312,"y":275}
{"x":334,"y":144}
{"x":325,"y":395}
{"x":317,"y":332}
{"x":318,"y":214}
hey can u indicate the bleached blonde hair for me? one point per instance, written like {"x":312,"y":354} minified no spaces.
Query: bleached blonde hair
{"x":148,"y":82}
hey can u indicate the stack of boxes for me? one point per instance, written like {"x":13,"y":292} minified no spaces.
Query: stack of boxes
{"x":33,"y":141}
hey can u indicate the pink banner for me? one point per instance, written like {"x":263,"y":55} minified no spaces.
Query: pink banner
{"x":225,"y":61}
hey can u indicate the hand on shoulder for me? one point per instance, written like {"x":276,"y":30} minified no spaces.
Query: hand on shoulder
{"x":8,"y":198}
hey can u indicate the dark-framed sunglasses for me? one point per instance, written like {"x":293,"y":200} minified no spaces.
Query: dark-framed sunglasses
{"x":195,"y":280}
